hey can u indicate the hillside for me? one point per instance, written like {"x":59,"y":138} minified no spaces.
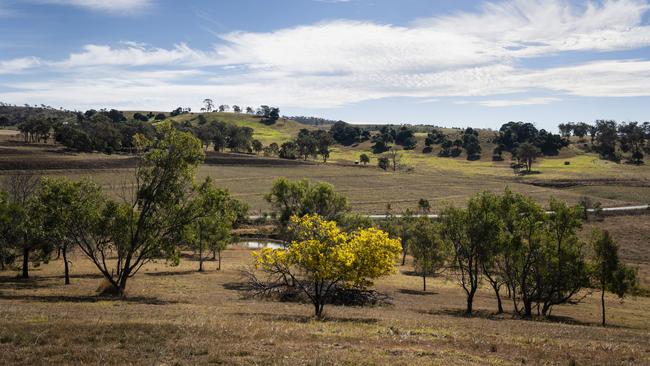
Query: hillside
{"x":283,"y":130}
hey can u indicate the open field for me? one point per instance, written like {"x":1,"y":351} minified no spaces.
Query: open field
{"x":174,"y":315}
{"x":441,"y":181}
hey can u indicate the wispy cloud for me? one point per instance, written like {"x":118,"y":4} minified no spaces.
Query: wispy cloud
{"x":517,"y":102}
{"x":18,"y":65}
{"x":112,"y":6}
{"x":332,"y":63}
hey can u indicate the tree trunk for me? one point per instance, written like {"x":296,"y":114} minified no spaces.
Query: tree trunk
{"x":404,"y":255}
{"x":121,"y":288}
{"x":424,"y":282}
{"x":66,"y":270}
{"x":499,"y":303}
{"x":219,"y":264}
{"x":25,"y":263}
{"x":602,"y":304}
{"x":528,"y":309}
{"x":201,"y":260}
{"x":470,"y":302}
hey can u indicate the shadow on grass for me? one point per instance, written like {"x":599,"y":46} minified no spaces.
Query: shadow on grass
{"x":89,"y":299}
{"x":306,"y":318}
{"x":460,"y":313}
{"x":238,"y":286}
{"x":407,"y":291}
{"x":172,"y":273}
{"x":491,"y":315}
{"x":17,"y":283}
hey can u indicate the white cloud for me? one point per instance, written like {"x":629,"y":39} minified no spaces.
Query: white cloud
{"x":333,"y":63}
{"x":104,"y":5}
{"x":18,"y":65}
{"x":517,"y":102}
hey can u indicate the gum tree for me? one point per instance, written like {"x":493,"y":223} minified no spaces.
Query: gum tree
{"x":608,"y":272}
{"x":120,"y":238}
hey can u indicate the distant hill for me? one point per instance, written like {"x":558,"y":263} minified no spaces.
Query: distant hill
{"x":313,"y":121}
{"x":11,"y":115}
{"x":281,"y":131}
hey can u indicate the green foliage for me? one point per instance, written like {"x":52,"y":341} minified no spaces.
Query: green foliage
{"x":302,"y":197}
{"x":364,"y":159}
{"x":528,"y":153}
{"x":345,"y":134}
{"x":218,"y":214}
{"x":145,"y":228}
{"x":428,"y":249}
{"x":609,"y":273}
{"x":383,"y":162}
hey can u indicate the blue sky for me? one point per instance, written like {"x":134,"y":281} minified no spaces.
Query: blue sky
{"x":453,"y":63}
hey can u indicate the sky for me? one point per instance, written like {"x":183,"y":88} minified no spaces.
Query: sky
{"x":444,"y":62}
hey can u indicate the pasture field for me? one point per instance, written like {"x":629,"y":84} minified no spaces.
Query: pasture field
{"x":440,"y":180}
{"x":177,"y":316}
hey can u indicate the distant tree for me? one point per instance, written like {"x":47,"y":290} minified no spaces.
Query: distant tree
{"x":323,"y":142}
{"x":212,"y":230}
{"x":224,"y":108}
{"x":471,"y":144}
{"x":428,"y":249}
{"x":424,"y":206}
{"x":434,"y":137}
{"x":581,"y":129}
{"x":289,"y":150}
{"x":606,"y":138}
{"x":301,"y":197}
{"x":381,"y":145}
{"x":160,"y":117}
{"x":406,"y":137}
{"x":272,"y":150}
{"x":209,"y":104}
{"x":364,"y":159}
{"x":306,"y":143}
{"x":257,"y":146}
{"x":446,"y":146}
{"x":458,"y":147}
{"x":115,"y":116}
{"x":25,"y":229}
{"x":383,"y":162}
{"x":140,"y":117}
{"x":395,"y":158}
{"x":60,"y":200}
{"x":236,"y":108}
{"x":610,"y":274}
{"x":528,"y":153}
{"x":471,"y":232}
{"x":250,"y":110}
{"x":345,"y":134}
{"x":633,"y":140}
{"x":566,"y":129}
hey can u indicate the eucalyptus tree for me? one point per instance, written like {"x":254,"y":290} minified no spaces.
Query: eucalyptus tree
{"x":608,"y":272}
{"x":427,"y":248}
{"x":145,"y":225}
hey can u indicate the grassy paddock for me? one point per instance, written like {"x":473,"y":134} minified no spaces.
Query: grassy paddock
{"x":174,"y":315}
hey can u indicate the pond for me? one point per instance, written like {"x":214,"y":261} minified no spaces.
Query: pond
{"x":259,"y":244}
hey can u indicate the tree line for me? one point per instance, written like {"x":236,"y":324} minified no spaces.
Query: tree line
{"x":612,"y":140}
{"x":523,"y":253}
{"x":164,"y":213}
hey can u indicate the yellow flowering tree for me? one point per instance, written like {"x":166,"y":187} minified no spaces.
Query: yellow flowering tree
{"x":322,"y":257}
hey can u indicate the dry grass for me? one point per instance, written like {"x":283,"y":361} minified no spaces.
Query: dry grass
{"x":178,"y":316}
